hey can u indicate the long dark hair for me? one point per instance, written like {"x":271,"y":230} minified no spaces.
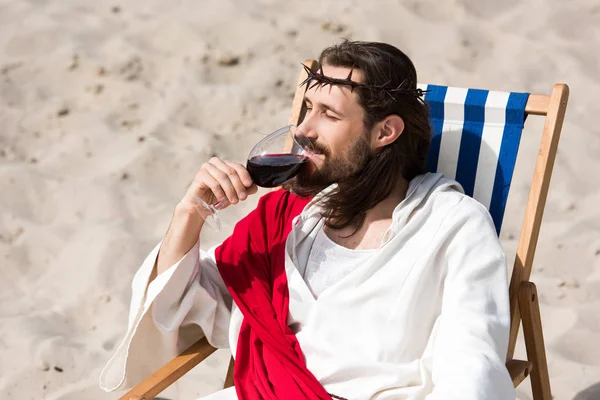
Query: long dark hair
{"x":380,"y":64}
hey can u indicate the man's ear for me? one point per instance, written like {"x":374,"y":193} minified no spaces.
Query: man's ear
{"x":386,"y":131}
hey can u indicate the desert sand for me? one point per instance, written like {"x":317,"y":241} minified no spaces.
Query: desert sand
{"x":108,"y":108}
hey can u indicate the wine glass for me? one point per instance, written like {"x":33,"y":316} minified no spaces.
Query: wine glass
{"x":273,"y":161}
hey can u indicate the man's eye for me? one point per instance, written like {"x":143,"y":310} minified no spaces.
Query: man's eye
{"x":332,"y":117}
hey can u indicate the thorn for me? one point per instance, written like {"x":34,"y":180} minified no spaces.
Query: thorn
{"x":349,"y":78}
{"x":306,"y":81}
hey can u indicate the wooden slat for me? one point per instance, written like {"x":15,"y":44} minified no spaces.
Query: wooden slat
{"x":518,"y":370}
{"x":537,"y":104}
{"x":536,"y":202}
{"x":297,"y":104}
{"x":534,"y":341}
{"x":170,"y":372}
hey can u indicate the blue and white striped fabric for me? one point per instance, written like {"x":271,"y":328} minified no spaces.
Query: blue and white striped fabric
{"x":476,"y":135}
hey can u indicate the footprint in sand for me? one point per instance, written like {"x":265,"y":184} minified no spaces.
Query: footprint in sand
{"x":585,"y":313}
{"x":132,"y":69}
{"x":224,"y":68}
{"x":572,"y":24}
{"x":488,"y":9}
{"x":475,"y":46}
{"x":430,"y":11}
{"x":574,"y":345}
{"x":590,"y":393}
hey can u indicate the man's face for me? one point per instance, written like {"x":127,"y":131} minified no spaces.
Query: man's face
{"x":334,"y":125}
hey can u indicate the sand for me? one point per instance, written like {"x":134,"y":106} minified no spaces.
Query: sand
{"x":107,"y":110}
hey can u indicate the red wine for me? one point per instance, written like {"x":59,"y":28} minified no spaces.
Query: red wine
{"x":272,"y":170}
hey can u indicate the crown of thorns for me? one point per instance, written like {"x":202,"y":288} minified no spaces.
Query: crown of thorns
{"x":319,"y":78}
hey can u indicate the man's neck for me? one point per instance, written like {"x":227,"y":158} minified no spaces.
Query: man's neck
{"x":377,"y":221}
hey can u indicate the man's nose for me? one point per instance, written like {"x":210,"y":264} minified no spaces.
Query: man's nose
{"x":305,"y":129}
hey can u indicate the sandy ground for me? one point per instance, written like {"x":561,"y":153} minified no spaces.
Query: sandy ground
{"x":107,"y":109}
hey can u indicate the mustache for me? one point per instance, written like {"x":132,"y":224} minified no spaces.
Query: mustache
{"x":312,"y":144}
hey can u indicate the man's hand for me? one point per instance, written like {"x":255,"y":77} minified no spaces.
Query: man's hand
{"x":216,"y":180}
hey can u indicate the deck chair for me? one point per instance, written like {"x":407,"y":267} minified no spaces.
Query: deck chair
{"x":475,"y":141}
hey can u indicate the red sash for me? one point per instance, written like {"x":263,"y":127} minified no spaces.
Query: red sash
{"x":269,"y":362}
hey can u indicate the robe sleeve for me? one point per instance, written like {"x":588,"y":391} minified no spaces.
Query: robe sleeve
{"x":168,"y":315}
{"x":469,"y":350}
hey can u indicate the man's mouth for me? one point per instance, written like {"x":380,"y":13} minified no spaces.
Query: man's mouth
{"x":318,"y":156}
{"x":314,"y":161}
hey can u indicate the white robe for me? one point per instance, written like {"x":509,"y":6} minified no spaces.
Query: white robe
{"x":426,"y":318}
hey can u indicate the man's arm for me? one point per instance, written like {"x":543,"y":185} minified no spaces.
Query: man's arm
{"x":178,"y":294}
{"x":468,"y":361}
{"x":181,"y":236}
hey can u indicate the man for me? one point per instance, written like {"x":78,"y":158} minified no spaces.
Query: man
{"x":368,"y":279}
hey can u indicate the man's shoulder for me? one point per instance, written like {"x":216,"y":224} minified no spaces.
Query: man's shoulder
{"x":451,"y":200}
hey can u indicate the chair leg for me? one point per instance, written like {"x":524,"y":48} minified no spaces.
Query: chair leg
{"x":534,"y":341}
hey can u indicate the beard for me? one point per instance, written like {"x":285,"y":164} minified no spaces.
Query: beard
{"x":341,"y":168}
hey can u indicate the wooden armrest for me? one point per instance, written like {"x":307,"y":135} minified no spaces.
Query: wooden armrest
{"x":170,"y":372}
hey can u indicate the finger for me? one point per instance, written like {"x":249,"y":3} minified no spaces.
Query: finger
{"x":232,"y":173}
{"x":244,"y":178}
{"x":203,"y":181}
{"x":224,"y":181}
{"x":242,"y":173}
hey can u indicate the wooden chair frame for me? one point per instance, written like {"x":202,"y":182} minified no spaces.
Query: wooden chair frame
{"x":524,"y":303}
